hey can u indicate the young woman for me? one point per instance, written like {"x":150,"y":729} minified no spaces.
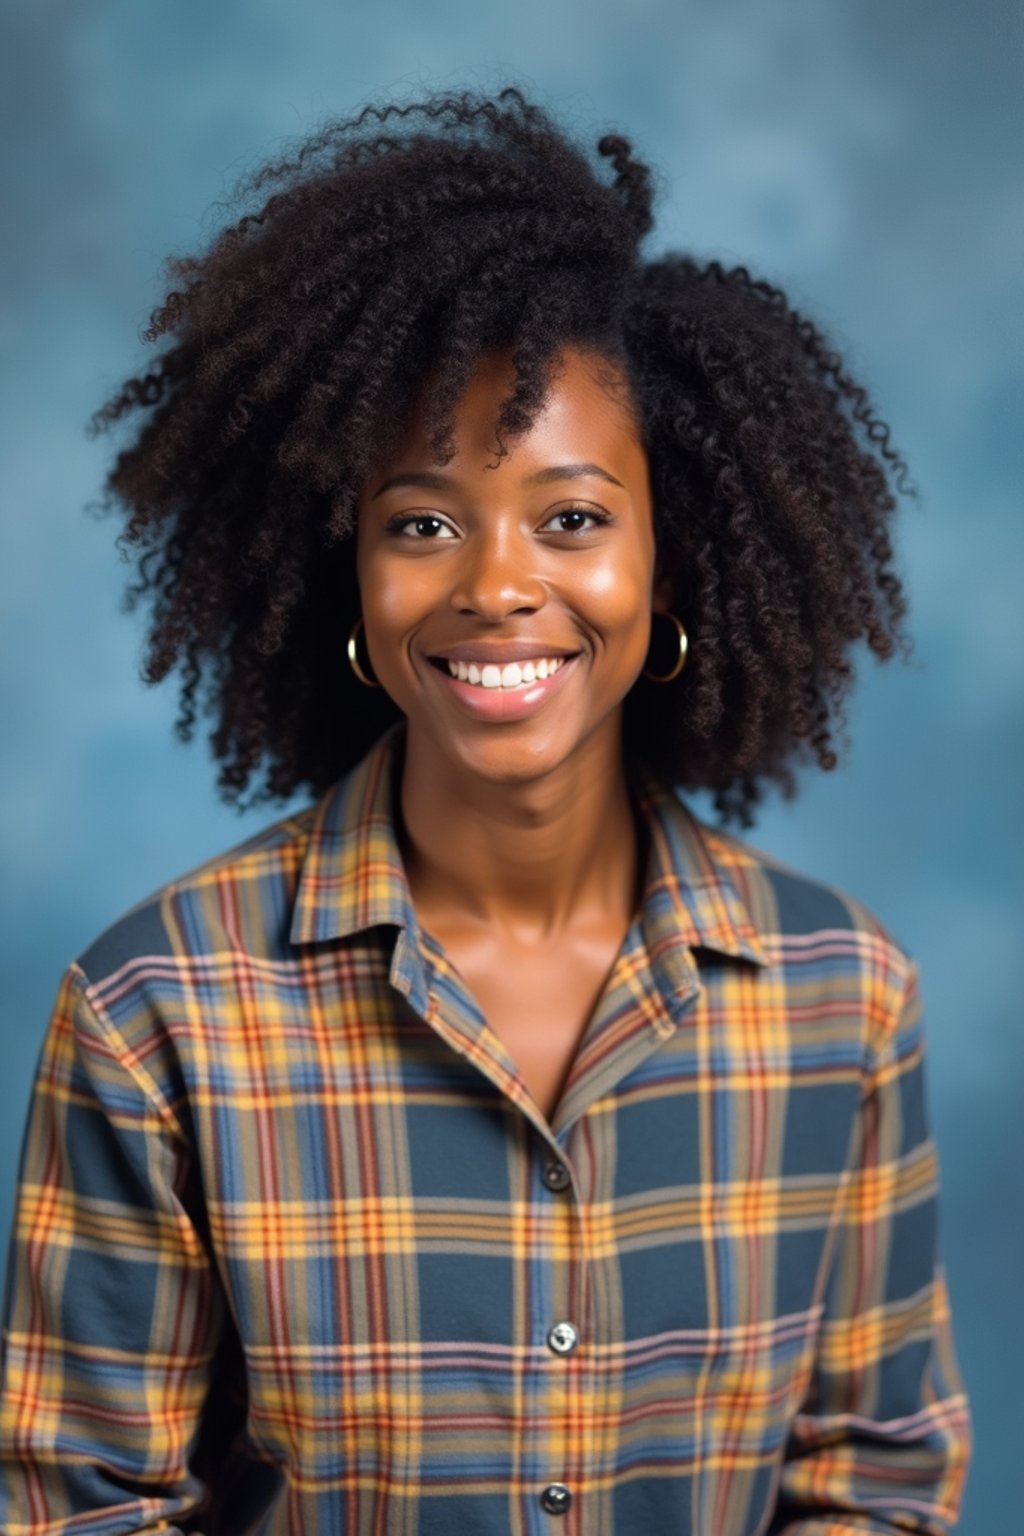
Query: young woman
{"x":492,"y":1145}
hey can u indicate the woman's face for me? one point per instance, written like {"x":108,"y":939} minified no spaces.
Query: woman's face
{"x":551,"y":554}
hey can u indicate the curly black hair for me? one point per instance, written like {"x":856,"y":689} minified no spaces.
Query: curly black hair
{"x":300,"y":340}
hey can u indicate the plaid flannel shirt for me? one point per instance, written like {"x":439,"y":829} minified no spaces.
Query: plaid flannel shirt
{"x":295,"y":1251}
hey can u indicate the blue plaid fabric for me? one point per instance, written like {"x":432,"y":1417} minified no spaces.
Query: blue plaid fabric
{"x":296,"y":1251}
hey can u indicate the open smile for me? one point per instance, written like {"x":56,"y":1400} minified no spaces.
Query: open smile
{"x":509,"y":692}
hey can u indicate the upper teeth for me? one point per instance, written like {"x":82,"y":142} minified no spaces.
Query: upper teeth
{"x":509,"y":676}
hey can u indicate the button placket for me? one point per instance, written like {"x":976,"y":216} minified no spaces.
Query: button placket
{"x":562,"y":1338}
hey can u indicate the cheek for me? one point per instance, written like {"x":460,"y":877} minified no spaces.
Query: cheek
{"x":397,"y":598}
{"x":395,"y":593}
{"x":618,"y":596}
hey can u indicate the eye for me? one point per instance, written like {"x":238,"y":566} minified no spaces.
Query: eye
{"x":398,"y":526}
{"x":596,"y":517}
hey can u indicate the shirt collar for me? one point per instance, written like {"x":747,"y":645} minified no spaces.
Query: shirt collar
{"x":353,"y":877}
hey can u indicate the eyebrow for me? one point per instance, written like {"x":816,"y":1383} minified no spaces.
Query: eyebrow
{"x":431,"y":480}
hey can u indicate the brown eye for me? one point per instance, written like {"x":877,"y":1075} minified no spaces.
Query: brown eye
{"x":580,"y":512}
{"x":398,"y":525}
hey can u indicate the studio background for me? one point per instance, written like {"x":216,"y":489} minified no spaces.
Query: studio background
{"x":864,"y":156}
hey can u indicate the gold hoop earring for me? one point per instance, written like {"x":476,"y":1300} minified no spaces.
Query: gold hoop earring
{"x":683,"y":646}
{"x":354,"y":659}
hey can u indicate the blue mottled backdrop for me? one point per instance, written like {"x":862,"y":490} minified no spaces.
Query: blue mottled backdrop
{"x":865,"y":155}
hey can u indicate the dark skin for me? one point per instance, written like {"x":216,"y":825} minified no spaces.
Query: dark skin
{"x":520,"y":842}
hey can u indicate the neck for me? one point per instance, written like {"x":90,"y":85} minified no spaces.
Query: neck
{"x":532,"y":860}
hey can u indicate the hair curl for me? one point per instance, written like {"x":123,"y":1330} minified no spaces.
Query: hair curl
{"x":300,"y":340}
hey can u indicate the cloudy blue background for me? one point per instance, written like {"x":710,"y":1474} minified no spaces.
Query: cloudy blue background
{"x":866,"y":156}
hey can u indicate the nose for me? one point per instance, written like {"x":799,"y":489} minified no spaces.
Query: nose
{"x":497,"y":574}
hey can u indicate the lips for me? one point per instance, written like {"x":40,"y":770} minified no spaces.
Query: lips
{"x":504,"y":705}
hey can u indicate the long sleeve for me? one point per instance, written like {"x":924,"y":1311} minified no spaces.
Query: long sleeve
{"x":112,"y":1309}
{"x":884,"y":1437}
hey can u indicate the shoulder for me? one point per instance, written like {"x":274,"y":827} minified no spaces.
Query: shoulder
{"x":183,"y":962}
{"x":240,"y":897}
{"x":816,"y":937}
{"x":828,"y":956}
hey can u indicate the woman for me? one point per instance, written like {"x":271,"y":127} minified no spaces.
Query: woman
{"x":492,"y":1145}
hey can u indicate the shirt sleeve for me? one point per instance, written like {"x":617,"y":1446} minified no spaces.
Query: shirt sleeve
{"x":883,"y":1439}
{"x":112,"y":1310}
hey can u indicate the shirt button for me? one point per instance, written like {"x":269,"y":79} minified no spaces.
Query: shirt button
{"x":563,"y":1338}
{"x":556,"y":1498}
{"x":556,"y":1176}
